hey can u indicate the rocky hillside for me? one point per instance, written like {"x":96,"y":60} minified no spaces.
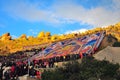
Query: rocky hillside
{"x":108,"y":40}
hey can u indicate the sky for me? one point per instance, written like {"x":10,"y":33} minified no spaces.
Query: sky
{"x":56,"y":16}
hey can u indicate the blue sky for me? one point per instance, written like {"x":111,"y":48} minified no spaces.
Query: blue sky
{"x":56,"y":16}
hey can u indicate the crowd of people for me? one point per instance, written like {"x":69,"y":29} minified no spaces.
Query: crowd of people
{"x":15,"y":65}
{"x":12,"y":69}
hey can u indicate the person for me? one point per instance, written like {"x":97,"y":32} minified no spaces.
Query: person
{"x":38,"y":74}
{"x":17,"y":78}
{"x":51,"y":63}
{"x":12,"y":71}
{"x":7,"y":75}
{"x":81,"y":55}
{"x":32,"y":71}
{"x":1,"y":73}
{"x":45,"y":64}
{"x":0,"y":65}
{"x":64,"y":58}
{"x":56,"y":64}
{"x":61,"y":58}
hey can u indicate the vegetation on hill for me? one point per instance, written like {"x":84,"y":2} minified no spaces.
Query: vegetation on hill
{"x":89,"y":69}
{"x":9,"y":45}
{"x":116,"y":44}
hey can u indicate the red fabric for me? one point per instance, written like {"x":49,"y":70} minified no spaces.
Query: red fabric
{"x":42,"y":49}
{"x":12,"y":69}
{"x":25,"y":62}
{"x":95,"y":49}
{"x":38,"y":74}
{"x":81,"y":55}
{"x":45,"y":63}
{"x":35,"y":62}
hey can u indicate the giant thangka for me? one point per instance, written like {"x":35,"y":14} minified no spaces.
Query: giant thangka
{"x":82,"y":45}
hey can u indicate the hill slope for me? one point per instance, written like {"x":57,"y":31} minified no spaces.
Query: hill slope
{"x":111,"y":54}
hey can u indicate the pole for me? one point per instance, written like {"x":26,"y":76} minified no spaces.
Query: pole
{"x":28,"y":65}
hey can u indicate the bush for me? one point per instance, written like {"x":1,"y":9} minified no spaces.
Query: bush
{"x":87,"y":70}
{"x":116,"y":44}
